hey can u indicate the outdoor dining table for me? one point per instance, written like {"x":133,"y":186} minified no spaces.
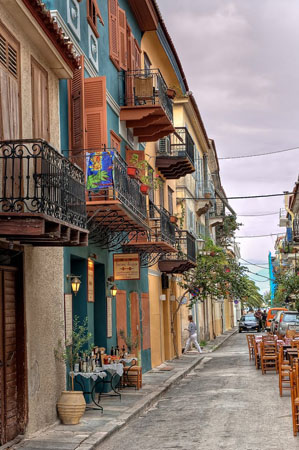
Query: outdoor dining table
{"x":101,"y":381}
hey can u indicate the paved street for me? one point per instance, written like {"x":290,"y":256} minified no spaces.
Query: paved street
{"x":225,"y":403}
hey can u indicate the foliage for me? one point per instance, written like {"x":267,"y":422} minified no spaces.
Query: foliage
{"x":226,"y":231}
{"x":129,"y":341}
{"x":146,"y":173}
{"x":287,"y":287}
{"x":80,"y":342}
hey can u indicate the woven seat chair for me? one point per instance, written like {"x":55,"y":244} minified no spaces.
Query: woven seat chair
{"x":250,"y":338}
{"x":257,"y":358}
{"x":294,"y":381}
{"x":269,"y":356}
{"x":284,"y":373}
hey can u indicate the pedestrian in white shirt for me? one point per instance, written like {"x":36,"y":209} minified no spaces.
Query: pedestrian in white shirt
{"x":192,"y":336}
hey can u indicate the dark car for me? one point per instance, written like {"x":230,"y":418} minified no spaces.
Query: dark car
{"x":249,"y":323}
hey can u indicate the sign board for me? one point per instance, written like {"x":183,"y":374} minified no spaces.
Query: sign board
{"x":126,"y":266}
{"x":68,"y":316}
{"x":109,"y":317}
{"x":90,"y":280}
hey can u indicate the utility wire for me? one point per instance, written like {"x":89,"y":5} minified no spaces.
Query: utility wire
{"x":234,"y":198}
{"x":258,"y":236}
{"x":260,"y":154}
{"x":262,"y":276}
{"x":253,"y":264}
{"x":258,"y":215}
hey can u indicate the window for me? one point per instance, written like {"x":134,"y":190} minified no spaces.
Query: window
{"x":93,"y":13}
{"x":170,"y":201}
{"x":10,"y":124}
{"x":40,"y":101}
{"x":124,"y":50}
{"x":115,"y":141}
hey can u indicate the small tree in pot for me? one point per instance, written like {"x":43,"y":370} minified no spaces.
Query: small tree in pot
{"x":71,"y":405}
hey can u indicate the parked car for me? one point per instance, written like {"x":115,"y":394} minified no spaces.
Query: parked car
{"x":249,"y":323}
{"x":288,"y":321}
{"x":271,"y":314}
{"x":274,"y":323}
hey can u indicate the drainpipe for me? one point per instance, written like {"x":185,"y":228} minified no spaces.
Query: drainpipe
{"x":205,"y":181}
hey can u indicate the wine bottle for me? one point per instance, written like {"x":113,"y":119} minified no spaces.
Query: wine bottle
{"x":112,"y":351}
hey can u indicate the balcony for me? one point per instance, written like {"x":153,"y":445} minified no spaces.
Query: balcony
{"x":184,"y":259}
{"x":175,"y":156}
{"x":42,"y":196}
{"x":158,"y":241}
{"x":215,"y":218}
{"x":115,"y":206}
{"x":147,"y":108}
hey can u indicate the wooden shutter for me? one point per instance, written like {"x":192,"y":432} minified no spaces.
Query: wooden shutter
{"x":40,"y":102}
{"x":10,"y":124}
{"x":137,"y":52}
{"x":132,"y":51}
{"x":76,"y":108}
{"x":95,"y":110}
{"x":122,"y":39}
{"x":135,"y":318}
{"x":146,"y":334}
{"x":113,"y":29}
{"x":115,"y":141}
{"x":9,"y":425}
{"x":121,"y":315}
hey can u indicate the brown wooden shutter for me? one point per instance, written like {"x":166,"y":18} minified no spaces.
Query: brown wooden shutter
{"x":113,"y":30}
{"x":40,"y":102}
{"x":135,"y":318}
{"x":115,"y":141}
{"x":121,"y":315}
{"x":146,"y":333}
{"x":133,"y":52}
{"x":95,"y":109}
{"x":137,"y":53}
{"x":76,"y":109}
{"x":122,"y":39}
{"x":10,"y":123}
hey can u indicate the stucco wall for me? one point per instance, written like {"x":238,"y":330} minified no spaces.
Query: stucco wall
{"x":43,"y":267}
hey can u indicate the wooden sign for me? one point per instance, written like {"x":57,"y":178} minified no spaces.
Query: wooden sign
{"x":126,"y":266}
{"x":68,"y":317}
{"x":109,"y":317}
{"x":90,"y":280}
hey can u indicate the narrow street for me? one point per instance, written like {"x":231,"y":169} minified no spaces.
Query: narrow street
{"x":225,"y":403}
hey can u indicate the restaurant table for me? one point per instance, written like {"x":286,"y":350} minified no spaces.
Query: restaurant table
{"x":84,"y":381}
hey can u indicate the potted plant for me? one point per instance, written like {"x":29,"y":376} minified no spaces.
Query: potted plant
{"x":146,"y":175}
{"x":170,"y":93}
{"x":173,"y":218}
{"x":131,"y":343}
{"x":71,"y":404}
{"x":132,"y":172}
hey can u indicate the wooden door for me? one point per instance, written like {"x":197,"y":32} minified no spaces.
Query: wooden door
{"x":9,"y":418}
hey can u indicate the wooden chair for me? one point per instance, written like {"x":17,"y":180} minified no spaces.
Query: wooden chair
{"x":250,"y":338}
{"x":256,"y":355}
{"x":290,"y":334}
{"x":269,"y":357}
{"x":144,"y":90}
{"x":132,"y":376}
{"x":268,"y":337}
{"x":284,"y":372}
{"x":294,"y":381}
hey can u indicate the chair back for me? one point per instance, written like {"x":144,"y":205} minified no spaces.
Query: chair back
{"x":268,"y":348}
{"x":290,"y":333}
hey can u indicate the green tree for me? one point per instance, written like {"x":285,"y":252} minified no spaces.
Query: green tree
{"x":226,"y":231}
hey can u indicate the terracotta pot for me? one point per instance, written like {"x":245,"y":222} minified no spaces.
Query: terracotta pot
{"x":71,"y":407}
{"x":207,"y":195}
{"x":173,"y":219}
{"x":171,"y":93}
{"x":144,"y":189}
{"x":132,"y":172}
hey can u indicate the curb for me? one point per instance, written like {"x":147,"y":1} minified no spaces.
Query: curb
{"x":93,"y":441}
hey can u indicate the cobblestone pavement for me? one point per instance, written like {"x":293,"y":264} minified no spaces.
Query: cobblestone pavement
{"x":224,"y":404}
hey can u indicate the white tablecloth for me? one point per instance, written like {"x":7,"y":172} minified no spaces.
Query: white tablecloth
{"x":93,"y":375}
{"x":114,"y":368}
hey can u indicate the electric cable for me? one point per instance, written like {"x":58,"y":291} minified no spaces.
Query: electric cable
{"x":235,"y":198}
{"x":260,"y":154}
{"x":257,"y":215}
{"x":260,"y":235}
{"x":253,"y":264}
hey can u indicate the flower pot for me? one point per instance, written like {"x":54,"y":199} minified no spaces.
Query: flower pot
{"x":207,"y":195}
{"x":71,"y":407}
{"x":132,"y":172}
{"x":144,"y":189}
{"x":170,"y":93}
{"x":173,"y":219}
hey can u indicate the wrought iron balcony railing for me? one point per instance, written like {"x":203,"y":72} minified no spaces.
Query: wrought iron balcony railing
{"x":186,"y":246}
{"x":107,"y":180}
{"x":162,"y":230}
{"x":147,"y":87}
{"x":36,"y":178}
{"x":178,"y":144}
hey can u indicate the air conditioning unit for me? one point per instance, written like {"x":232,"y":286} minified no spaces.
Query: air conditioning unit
{"x":284,"y":222}
{"x":164,"y":145}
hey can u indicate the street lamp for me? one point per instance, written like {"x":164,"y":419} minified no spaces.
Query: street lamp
{"x":75,"y":283}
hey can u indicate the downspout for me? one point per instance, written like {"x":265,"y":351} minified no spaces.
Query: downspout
{"x":205,"y":180}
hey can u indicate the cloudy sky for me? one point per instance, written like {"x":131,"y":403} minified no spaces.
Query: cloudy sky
{"x":241,"y":59}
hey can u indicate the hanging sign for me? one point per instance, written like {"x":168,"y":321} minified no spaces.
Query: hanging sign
{"x":90,"y":280}
{"x":126,"y":266}
{"x":68,"y":317}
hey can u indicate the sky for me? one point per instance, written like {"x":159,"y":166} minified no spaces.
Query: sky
{"x":241,"y":60}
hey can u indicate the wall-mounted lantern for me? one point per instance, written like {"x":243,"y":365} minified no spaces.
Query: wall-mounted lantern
{"x":75,"y":283}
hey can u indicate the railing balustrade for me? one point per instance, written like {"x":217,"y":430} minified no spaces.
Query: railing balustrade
{"x":161,"y":227}
{"x":181,"y":145}
{"x":36,"y":178}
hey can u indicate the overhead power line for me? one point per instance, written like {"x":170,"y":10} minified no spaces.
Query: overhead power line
{"x":254,"y":264}
{"x":235,"y":198}
{"x":260,"y":154}
{"x":259,"y":236}
{"x":258,"y":215}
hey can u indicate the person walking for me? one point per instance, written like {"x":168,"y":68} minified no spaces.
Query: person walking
{"x":192,"y":336}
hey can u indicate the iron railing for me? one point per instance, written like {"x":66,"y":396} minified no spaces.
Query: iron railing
{"x":36,"y":178}
{"x":122,"y":187}
{"x":178,"y":144}
{"x":147,"y":87}
{"x":185,"y":244}
{"x":296,"y":228}
{"x":161,"y":227}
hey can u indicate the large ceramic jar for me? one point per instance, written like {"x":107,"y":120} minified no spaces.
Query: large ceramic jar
{"x":71,"y":407}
